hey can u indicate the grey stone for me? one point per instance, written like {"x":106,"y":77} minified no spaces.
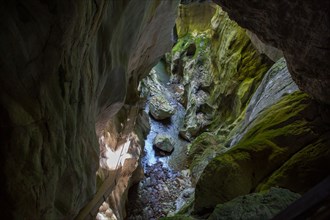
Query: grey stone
{"x":164,"y":142}
{"x":160,"y":107}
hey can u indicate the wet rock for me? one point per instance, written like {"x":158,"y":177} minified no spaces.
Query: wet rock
{"x":176,"y":67}
{"x":164,"y":142}
{"x":178,"y":92}
{"x":160,"y":107}
{"x":184,"y":197}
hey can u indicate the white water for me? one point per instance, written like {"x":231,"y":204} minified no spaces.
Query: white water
{"x":170,"y":127}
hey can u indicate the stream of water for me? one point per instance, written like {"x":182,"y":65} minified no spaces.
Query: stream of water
{"x":165,"y":176}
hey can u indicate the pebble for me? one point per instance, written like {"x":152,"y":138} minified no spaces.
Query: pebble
{"x":158,"y":192}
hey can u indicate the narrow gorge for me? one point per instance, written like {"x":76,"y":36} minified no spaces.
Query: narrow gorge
{"x":165,"y":109}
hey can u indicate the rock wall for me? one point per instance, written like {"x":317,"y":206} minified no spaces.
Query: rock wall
{"x":300,"y":29}
{"x":66,"y":68}
{"x":262,"y":135}
{"x":194,"y":17}
{"x":278,"y":144}
{"x":237,"y":67}
{"x":281,"y":141}
{"x":219,"y":77}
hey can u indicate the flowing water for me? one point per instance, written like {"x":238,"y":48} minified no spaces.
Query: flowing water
{"x":170,"y":127}
{"x":165,"y":176}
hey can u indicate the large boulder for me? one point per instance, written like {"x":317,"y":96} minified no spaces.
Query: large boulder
{"x":164,"y":143}
{"x":201,"y":151}
{"x":160,"y":108}
{"x":255,"y":206}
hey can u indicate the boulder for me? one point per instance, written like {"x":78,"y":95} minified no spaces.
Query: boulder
{"x":160,"y":107}
{"x":164,"y":143}
{"x":201,"y":151}
{"x":255,"y":206}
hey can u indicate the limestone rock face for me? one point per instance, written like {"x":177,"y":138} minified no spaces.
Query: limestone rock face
{"x":278,"y":140}
{"x":238,"y":68}
{"x":300,"y":29}
{"x":194,"y":17}
{"x":65,"y":69}
{"x":227,"y":70}
{"x":276,"y":84}
{"x":273,"y":53}
{"x":255,"y":206}
{"x":164,"y":142}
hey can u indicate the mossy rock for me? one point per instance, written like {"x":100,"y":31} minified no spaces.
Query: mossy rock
{"x":302,"y":171}
{"x":274,"y":137}
{"x":255,"y":206}
{"x":178,"y":217}
{"x":201,"y":151}
{"x":237,"y":69}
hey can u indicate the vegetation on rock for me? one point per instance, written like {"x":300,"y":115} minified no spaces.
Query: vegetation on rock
{"x":255,"y":206}
{"x":280,"y":134}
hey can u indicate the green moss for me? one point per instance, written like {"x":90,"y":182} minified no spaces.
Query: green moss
{"x":202,"y":142}
{"x":178,"y":217}
{"x":202,"y":150}
{"x":237,"y":68}
{"x":304,"y":169}
{"x":182,"y":44}
{"x":274,"y":137}
{"x":256,"y":206}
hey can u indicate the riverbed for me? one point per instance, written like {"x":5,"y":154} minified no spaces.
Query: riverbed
{"x":166,"y":177}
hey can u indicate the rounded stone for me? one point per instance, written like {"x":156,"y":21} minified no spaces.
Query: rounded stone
{"x":164,"y":143}
{"x":160,"y":107}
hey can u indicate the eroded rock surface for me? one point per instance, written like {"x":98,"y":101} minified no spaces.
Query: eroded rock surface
{"x":255,"y":206}
{"x":276,"y":84}
{"x":65,"y":69}
{"x":300,"y":29}
{"x":281,"y":135}
{"x":194,"y":17}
